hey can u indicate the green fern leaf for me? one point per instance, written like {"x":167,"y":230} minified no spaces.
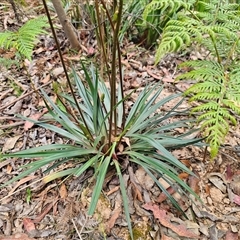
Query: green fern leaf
{"x":213,"y":26}
{"x":24,"y":39}
{"x":206,"y":107}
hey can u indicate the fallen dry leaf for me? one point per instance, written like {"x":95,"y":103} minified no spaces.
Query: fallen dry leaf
{"x":164,"y":237}
{"x":22,"y":181}
{"x":63,"y":191}
{"x":36,"y":116}
{"x":216,"y":194}
{"x":193,"y":182}
{"x":236,"y":199}
{"x":57,"y":71}
{"x":235,"y":184}
{"x":162,"y":197}
{"x":91,"y":52}
{"x":9,"y":168}
{"x":231,"y":235}
{"x":19,"y":236}
{"x":113,"y":218}
{"x":168,"y":79}
{"x":229,"y":173}
{"x":46,"y":79}
{"x":28,"y":224}
{"x":113,"y":190}
{"x":45,"y":211}
{"x":10,"y":143}
{"x":15,"y":108}
{"x":165,"y":220}
{"x":154,"y":75}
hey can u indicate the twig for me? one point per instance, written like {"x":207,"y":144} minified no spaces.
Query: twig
{"x":16,"y":82}
{"x":84,"y":224}
{"x":9,"y":118}
{"x":25,"y":95}
{"x":227,"y":155}
{"x":20,"y":189}
{"x":12,"y":125}
{"x":76,"y":229}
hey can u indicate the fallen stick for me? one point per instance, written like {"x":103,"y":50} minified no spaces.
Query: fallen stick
{"x":25,"y":95}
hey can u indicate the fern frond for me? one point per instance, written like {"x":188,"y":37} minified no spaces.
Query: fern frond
{"x":215,"y":138}
{"x":207,"y":71}
{"x":205,"y":96}
{"x":165,"y":5}
{"x":7,"y":39}
{"x":212,"y":26}
{"x":208,"y":86}
{"x":221,"y":89}
{"x":24,"y":39}
{"x":215,"y":20}
{"x":175,"y":37}
{"x":212,"y":106}
{"x":232,"y":105}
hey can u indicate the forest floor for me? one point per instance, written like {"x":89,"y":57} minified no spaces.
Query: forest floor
{"x":31,"y":209}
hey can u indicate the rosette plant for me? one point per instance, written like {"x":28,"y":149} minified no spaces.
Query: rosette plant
{"x":103,"y":132}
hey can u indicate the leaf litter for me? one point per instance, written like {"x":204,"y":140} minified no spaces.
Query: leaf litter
{"x":57,"y":209}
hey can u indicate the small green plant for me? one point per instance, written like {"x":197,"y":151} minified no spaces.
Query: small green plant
{"x":212,"y":26}
{"x":24,"y":39}
{"x":28,"y":195}
{"x":8,"y":62}
{"x":102,"y":133}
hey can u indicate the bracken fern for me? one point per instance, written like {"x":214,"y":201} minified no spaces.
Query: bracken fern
{"x":157,"y":14}
{"x":220,"y":91}
{"x":214,"y":27}
{"x":24,"y":39}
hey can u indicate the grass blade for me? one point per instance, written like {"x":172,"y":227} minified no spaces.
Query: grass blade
{"x":124,"y":198}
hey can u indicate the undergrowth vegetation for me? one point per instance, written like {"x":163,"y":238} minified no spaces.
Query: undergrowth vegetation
{"x":212,"y":27}
{"x":24,"y":39}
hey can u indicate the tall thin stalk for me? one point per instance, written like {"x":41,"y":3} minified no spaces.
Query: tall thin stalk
{"x":115,"y":23}
{"x":84,"y":128}
{"x":113,"y":116}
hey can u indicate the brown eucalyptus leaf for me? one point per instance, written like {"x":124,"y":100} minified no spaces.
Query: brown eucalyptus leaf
{"x":165,"y":220}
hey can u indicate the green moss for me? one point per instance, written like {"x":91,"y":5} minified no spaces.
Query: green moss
{"x":140,"y":231}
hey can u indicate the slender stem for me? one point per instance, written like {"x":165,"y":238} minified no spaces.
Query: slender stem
{"x":118,"y":51}
{"x":121,"y":84}
{"x":89,"y":135}
{"x":102,"y":44}
{"x":115,"y":49}
{"x":113,"y":114}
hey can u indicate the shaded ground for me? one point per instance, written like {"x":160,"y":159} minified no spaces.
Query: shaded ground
{"x":31,"y":209}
